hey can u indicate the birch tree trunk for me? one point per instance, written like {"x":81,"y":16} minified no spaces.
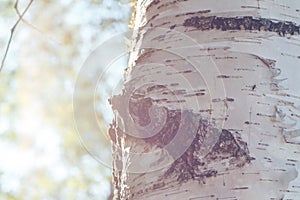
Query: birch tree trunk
{"x":210,"y":106}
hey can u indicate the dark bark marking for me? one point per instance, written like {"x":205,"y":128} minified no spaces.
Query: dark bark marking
{"x":227,"y":149}
{"x":174,"y":84}
{"x":242,"y":23}
{"x":170,"y":3}
{"x":192,"y":13}
{"x":229,"y":99}
{"x":195,"y":94}
{"x":173,"y":26}
{"x":227,"y":76}
{"x":256,"y":7}
{"x":207,"y":110}
{"x":152,"y":18}
{"x":139,"y":111}
{"x":154,"y":2}
{"x":241,"y":188}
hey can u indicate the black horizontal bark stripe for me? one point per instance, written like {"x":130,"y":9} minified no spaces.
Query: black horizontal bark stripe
{"x":242,"y":23}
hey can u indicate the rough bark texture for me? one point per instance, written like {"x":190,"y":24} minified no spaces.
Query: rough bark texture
{"x":209,"y":109}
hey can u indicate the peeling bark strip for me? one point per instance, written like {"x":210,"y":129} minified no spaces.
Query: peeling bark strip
{"x":242,"y":23}
{"x":207,"y":110}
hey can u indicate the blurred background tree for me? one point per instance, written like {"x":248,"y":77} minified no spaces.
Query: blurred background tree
{"x":41,"y":156}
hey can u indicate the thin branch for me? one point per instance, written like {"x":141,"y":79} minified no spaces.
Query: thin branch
{"x":24,"y":20}
{"x":32,"y":25}
{"x":12,"y":30}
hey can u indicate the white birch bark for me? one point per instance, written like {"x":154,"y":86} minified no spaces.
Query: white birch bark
{"x":210,"y":106}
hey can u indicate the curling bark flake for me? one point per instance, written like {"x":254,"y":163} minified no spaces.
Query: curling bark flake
{"x":210,"y":107}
